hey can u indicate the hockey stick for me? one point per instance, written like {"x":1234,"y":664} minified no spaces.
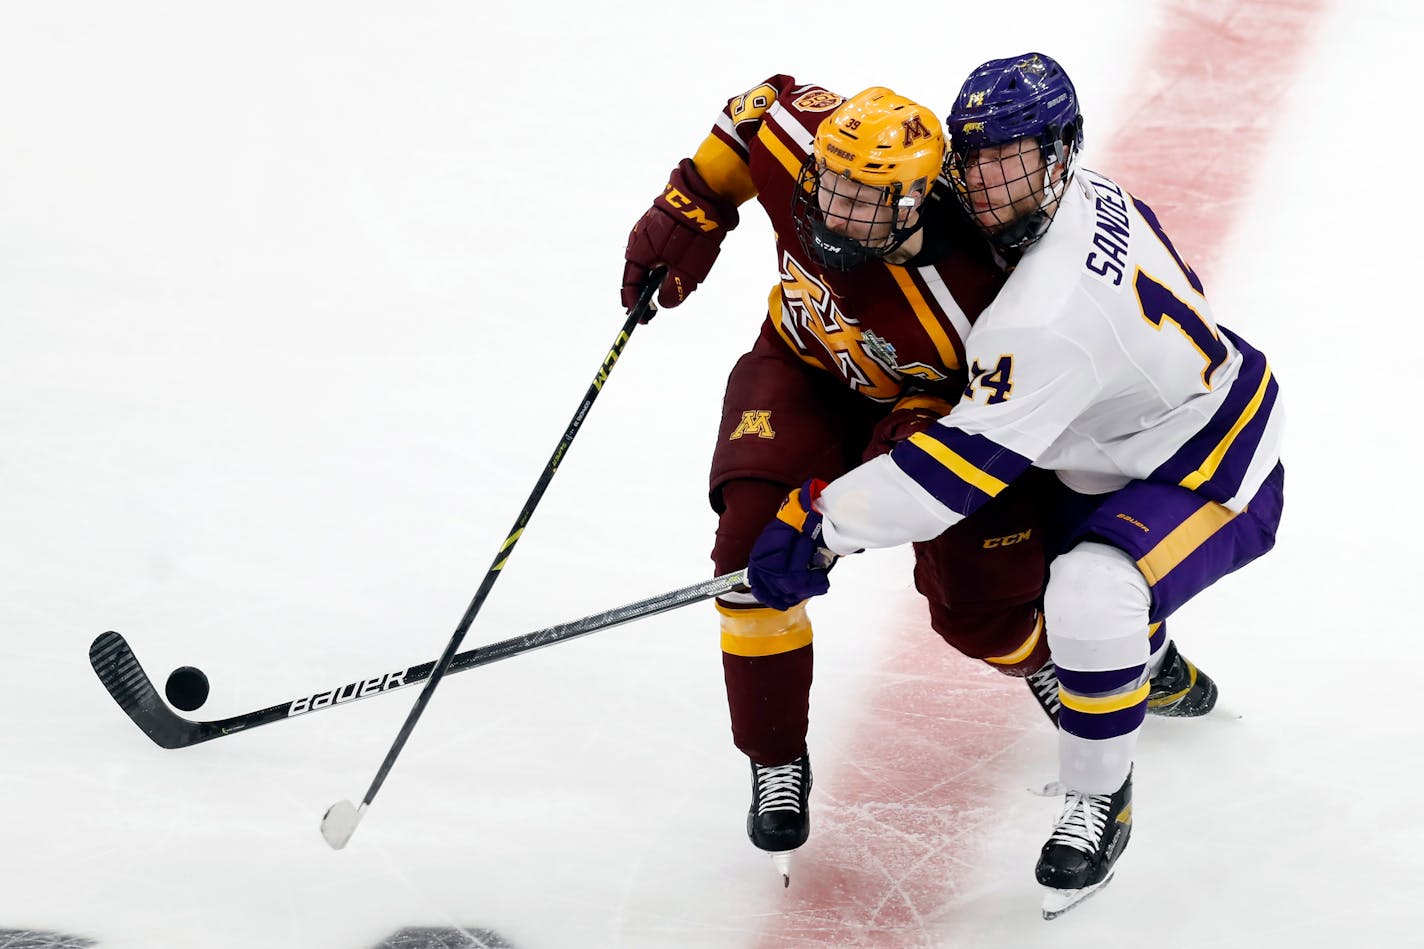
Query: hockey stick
{"x":340,"y":820}
{"x":119,"y":670}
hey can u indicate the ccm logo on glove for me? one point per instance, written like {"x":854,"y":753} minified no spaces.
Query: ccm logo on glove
{"x":683,"y":231}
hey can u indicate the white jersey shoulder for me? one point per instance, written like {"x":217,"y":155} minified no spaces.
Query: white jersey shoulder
{"x":1099,"y":357}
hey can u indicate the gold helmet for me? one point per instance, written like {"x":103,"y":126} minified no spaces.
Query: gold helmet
{"x":875,"y":141}
{"x":880,"y":138}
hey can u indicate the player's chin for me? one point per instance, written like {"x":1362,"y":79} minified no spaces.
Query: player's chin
{"x":991,"y":220}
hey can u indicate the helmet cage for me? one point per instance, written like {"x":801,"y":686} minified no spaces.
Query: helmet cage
{"x":823,"y":223}
{"x":1016,"y":227}
{"x":1006,"y":101}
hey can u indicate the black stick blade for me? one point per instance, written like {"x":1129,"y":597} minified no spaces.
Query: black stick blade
{"x":118,"y":669}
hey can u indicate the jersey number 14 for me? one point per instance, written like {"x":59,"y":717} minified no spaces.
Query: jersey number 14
{"x":1159,"y":303}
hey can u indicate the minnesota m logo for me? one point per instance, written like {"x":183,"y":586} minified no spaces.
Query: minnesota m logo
{"x":914,"y":129}
{"x":756,"y":423}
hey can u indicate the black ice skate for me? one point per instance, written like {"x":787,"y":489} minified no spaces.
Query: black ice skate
{"x":1044,"y":686}
{"x":1078,"y":859}
{"x":1180,"y":689}
{"x":779,"y":820}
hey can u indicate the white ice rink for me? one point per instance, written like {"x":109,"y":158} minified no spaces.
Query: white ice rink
{"x":296,"y":299}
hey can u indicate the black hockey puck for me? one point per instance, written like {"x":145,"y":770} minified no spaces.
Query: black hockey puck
{"x":187,"y":688}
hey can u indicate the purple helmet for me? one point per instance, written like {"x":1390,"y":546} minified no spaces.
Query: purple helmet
{"x":1002,"y":101}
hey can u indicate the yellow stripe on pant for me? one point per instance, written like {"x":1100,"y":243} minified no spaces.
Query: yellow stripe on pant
{"x":1024,"y":651}
{"x":1183,"y":541}
{"x":762,"y":631}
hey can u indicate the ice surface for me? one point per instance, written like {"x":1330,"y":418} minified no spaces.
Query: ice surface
{"x":296,"y":300}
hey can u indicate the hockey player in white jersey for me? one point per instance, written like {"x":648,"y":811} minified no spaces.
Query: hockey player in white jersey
{"x":1100,"y":360}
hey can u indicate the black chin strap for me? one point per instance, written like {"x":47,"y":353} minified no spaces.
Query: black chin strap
{"x":845,"y":253}
{"x":1023,"y":231}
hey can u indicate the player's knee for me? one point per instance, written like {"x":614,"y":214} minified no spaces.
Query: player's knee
{"x":1096,"y":607}
{"x":1008,"y":638}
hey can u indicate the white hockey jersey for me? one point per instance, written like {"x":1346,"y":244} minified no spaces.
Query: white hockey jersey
{"x":1099,"y":360}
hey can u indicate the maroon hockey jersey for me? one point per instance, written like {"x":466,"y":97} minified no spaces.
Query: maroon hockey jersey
{"x":884,"y":329}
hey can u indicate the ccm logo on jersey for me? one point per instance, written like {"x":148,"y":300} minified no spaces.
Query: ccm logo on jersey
{"x":352,"y":690}
{"x":1009,"y":541}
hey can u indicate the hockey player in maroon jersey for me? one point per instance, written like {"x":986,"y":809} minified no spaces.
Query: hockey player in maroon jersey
{"x":880,"y":278}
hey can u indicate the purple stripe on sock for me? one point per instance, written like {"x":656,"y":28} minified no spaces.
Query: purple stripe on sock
{"x":1096,"y":727}
{"x":1158,"y":639}
{"x":1110,"y":682}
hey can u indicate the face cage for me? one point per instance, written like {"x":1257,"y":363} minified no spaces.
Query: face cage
{"x":1016,"y":232}
{"x":825,"y":246}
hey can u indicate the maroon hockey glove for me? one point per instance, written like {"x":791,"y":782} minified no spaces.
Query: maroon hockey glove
{"x":789,"y":562}
{"x":683,"y":230}
{"x":913,"y":413}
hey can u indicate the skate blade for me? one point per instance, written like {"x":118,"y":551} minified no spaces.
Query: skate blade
{"x":1058,"y":902}
{"x":1219,"y":713}
{"x":782,"y":861}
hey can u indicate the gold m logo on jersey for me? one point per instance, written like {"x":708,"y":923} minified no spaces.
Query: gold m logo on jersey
{"x":914,"y":129}
{"x":755,"y":422}
{"x":810,"y":317}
